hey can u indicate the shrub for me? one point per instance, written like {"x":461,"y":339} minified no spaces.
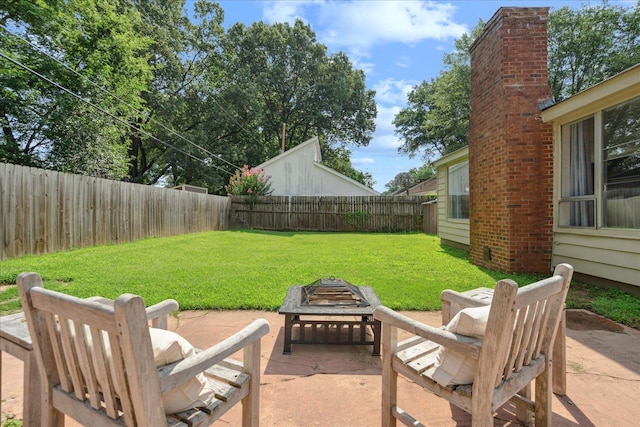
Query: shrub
{"x":249,"y":182}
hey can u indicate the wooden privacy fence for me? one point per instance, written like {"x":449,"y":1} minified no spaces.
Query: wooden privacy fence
{"x":46,"y":211}
{"x":329,"y":213}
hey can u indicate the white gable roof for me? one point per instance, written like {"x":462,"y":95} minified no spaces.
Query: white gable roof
{"x":298,"y":172}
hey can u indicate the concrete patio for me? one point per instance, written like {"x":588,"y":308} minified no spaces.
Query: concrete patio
{"x":322,"y":385}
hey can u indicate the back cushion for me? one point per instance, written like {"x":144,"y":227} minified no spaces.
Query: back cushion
{"x":452,"y":368}
{"x":169,"y":347}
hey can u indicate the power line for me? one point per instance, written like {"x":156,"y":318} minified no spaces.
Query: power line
{"x":141,"y":113}
{"x":131,"y":125}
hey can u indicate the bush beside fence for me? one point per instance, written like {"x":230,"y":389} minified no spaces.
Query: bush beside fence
{"x":329,"y":213}
{"x":46,"y":211}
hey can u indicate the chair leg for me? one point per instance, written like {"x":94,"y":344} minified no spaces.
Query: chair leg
{"x":251,"y":402}
{"x":481,"y":410}
{"x":523,"y":412}
{"x":560,"y":357}
{"x":51,"y":417}
{"x":482,"y":420}
{"x":544,"y":398}
{"x":389,"y":376}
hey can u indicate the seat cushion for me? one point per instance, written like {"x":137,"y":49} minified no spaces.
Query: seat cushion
{"x":453,"y":368}
{"x":170,"y":347}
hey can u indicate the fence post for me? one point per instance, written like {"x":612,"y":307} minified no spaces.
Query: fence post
{"x":430,"y":217}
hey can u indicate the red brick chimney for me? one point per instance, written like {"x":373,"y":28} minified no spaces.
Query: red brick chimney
{"x":510,"y":149}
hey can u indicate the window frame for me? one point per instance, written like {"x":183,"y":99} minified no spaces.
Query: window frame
{"x":598,"y":177}
{"x":455,"y":166}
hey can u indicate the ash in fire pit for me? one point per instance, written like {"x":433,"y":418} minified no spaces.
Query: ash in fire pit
{"x":332,"y":292}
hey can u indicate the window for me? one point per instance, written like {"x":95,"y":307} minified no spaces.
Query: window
{"x":600,"y":169}
{"x":577,"y":205}
{"x":459,"y":191}
{"x":621,"y":165}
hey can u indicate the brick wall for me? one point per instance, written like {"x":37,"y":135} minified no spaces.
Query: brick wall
{"x":510,"y":149}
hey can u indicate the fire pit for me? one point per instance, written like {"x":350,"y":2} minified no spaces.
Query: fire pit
{"x":319,"y":302}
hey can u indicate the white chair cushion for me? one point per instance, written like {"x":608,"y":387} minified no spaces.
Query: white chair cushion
{"x":169,"y":347}
{"x":452,"y":368}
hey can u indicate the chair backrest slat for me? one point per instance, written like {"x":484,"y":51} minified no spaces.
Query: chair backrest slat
{"x":120,"y":383}
{"x":83,"y":344}
{"x":534,"y":313}
{"x":516,"y":339}
{"x":545,"y":324}
{"x":62,"y":376}
{"x":142,"y":381}
{"x":527,"y":333}
{"x":70,"y":358}
{"x":102,"y":372}
{"x":541,"y":316}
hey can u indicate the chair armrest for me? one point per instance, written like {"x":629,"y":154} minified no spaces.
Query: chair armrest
{"x":158,"y":313}
{"x":453,"y":302}
{"x":462,"y":300}
{"x":466,"y":345}
{"x":171,"y":376}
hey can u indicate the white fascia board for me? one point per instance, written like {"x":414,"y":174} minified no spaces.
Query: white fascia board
{"x":346,"y":178}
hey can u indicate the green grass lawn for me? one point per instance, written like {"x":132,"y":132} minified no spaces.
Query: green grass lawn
{"x":244,"y":269}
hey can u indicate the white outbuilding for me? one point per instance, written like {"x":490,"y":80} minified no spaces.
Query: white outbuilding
{"x":299,"y":172}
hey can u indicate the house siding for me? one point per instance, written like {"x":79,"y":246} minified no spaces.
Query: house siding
{"x":612,"y":254}
{"x":611,"y":258}
{"x":450,"y":230}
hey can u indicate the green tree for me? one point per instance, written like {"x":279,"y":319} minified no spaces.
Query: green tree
{"x":418,"y":174}
{"x":181,"y":136}
{"x":284,"y":76}
{"x":45,"y":119}
{"x":591,"y":44}
{"x":423,"y":172}
{"x":403,"y":181}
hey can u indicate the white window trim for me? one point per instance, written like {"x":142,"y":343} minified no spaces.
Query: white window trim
{"x":598,"y":230}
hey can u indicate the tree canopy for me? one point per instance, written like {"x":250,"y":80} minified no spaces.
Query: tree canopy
{"x":588,"y":45}
{"x":585,"y":46}
{"x":141,"y":91}
{"x":47,"y":118}
{"x":405,"y":180}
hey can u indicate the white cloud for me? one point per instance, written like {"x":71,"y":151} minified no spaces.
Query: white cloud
{"x":403,"y":62}
{"x":384,"y":120}
{"x":284,"y":11}
{"x":357,"y":25}
{"x":362,"y":161}
{"x":385,"y":141}
{"x":366,"y":23}
{"x":393,"y":91}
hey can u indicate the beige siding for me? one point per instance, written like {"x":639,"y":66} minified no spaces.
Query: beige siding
{"x":610,"y":253}
{"x":612,"y":258}
{"x":455,"y":230}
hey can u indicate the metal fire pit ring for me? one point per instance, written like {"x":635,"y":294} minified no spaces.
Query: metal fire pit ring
{"x":332,"y":298}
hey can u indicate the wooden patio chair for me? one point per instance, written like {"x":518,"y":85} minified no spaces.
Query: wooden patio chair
{"x":484,"y":357}
{"x":102,"y":365}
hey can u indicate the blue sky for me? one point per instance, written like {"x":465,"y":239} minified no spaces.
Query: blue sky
{"x":398,"y":44}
